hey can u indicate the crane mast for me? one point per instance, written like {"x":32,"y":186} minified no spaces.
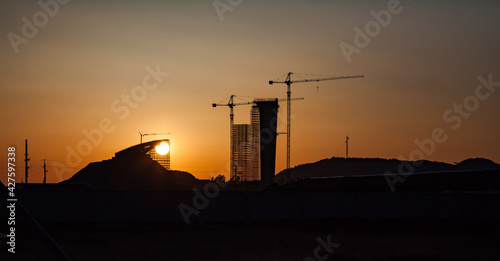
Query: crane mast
{"x":288,"y":81}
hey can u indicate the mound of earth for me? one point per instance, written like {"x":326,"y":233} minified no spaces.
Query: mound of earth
{"x":137,"y":173}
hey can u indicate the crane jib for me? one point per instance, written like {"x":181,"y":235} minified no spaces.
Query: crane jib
{"x":320,"y":79}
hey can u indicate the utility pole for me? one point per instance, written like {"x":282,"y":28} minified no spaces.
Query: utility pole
{"x":44,"y":172}
{"x":26,"y":160}
{"x":346,"y":146}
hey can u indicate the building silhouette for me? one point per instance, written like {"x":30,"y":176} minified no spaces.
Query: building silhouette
{"x":164,"y":160}
{"x":134,"y":168}
{"x":254,"y":145}
{"x":255,"y":140}
{"x":268,"y":119}
{"x":241,"y":151}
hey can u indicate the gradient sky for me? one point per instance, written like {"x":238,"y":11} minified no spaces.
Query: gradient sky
{"x":428,"y":58}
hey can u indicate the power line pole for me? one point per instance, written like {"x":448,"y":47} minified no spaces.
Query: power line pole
{"x":346,"y":146}
{"x":44,"y":172}
{"x":26,"y":160}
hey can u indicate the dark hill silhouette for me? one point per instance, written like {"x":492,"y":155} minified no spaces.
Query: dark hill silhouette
{"x":339,"y":167}
{"x":137,"y":173}
{"x":476,"y":164}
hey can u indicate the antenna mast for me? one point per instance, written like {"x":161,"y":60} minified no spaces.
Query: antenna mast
{"x":346,"y":146}
{"x":26,"y":159}
{"x":44,"y":172}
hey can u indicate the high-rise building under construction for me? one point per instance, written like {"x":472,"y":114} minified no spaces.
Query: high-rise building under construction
{"x":255,"y":141}
{"x":268,"y":116}
{"x":241,"y":151}
{"x":254,"y":145}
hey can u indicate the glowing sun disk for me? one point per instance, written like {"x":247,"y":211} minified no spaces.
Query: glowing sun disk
{"x":162,"y":148}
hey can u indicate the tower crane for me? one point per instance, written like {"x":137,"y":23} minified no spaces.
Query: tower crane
{"x":231,"y":105}
{"x":150,"y":134}
{"x":288,"y":81}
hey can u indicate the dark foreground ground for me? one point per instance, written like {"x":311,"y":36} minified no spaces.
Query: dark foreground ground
{"x":291,"y":240}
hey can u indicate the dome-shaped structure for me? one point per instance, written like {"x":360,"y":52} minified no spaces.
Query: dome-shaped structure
{"x":148,"y":148}
{"x":134,"y":168}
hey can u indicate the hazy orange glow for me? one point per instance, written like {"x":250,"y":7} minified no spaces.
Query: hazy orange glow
{"x":82,"y":80}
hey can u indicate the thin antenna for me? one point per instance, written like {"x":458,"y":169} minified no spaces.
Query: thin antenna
{"x":44,"y":172}
{"x":26,"y":159}
{"x":346,"y":146}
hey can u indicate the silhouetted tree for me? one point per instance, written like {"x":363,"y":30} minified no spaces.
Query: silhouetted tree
{"x":221,"y":178}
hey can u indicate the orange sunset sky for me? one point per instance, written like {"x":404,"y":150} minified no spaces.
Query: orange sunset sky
{"x":72,"y":73}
